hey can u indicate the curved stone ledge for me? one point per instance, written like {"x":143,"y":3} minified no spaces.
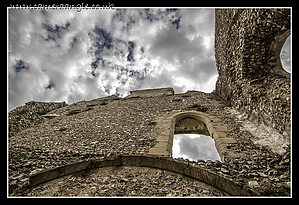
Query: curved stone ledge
{"x":181,"y":167}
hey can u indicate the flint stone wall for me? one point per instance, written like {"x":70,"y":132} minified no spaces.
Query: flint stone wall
{"x":32,"y":116}
{"x":111,"y":130}
{"x":247,"y":51}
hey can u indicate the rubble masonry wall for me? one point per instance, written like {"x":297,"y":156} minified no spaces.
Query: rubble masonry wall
{"x":247,"y":51}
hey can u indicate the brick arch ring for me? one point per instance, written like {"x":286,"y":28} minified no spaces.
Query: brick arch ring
{"x":164,"y":141}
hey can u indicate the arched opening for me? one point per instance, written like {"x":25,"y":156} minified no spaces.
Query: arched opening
{"x":192,"y":140}
{"x":285,"y":55}
{"x":275,"y":55}
{"x":192,"y":122}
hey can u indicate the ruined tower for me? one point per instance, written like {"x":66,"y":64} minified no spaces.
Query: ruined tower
{"x":113,"y":146}
{"x":248,"y":43}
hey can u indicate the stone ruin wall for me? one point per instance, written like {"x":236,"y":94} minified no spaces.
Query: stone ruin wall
{"x":247,"y":51}
{"x":31,"y":115}
{"x":132,"y":127}
{"x":150,"y":92}
{"x":92,"y":132}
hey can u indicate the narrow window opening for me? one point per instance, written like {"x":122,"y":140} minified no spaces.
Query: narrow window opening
{"x":194,"y":147}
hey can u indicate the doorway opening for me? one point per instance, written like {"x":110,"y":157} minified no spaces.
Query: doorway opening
{"x":194,"y":147}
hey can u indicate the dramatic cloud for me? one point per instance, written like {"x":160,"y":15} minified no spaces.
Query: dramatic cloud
{"x":63,"y":55}
{"x":194,"y":147}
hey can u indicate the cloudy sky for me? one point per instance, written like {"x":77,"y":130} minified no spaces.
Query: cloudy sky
{"x":194,"y":147}
{"x":63,"y":55}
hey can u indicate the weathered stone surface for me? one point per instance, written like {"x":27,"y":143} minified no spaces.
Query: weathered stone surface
{"x":247,"y":51}
{"x":150,"y":93}
{"x":263,"y":134}
{"x":248,"y":116}
{"x":191,"y":170}
{"x":30,"y":114}
{"x":50,"y":115}
{"x":125,"y":181}
{"x":253,"y":184}
{"x":132,"y":126}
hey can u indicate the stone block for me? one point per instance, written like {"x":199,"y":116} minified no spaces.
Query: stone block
{"x":57,"y":172}
{"x":159,"y":151}
{"x":75,"y":167}
{"x":213,"y":128}
{"x":217,"y":135}
{"x":227,"y":140}
{"x":46,"y":176}
{"x":162,"y":138}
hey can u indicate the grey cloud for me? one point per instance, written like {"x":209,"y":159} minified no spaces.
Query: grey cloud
{"x":199,"y":19}
{"x":164,"y":79}
{"x":186,"y":48}
{"x":63,"y":55}
{"x":201,"y":147}
{"x":172,"y":44}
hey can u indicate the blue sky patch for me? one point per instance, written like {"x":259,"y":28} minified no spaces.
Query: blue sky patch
{"x":21,"y":65}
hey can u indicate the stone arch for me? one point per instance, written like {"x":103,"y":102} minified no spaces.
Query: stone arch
{"x":195,"y":171}
{"x":274,"y":54}
{"x":190,"y":125}
{"x":208,"y":124}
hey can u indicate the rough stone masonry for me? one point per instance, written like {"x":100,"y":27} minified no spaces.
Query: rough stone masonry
{"x":247,"y":51}
{"x":59,"y":147}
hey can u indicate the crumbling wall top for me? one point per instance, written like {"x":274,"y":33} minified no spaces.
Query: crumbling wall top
{"x":151,"y":92}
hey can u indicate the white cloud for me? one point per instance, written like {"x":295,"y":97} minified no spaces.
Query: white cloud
{"x":194,"y":147}
{"x":210,"y":85}
{"x":73,"y":56}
